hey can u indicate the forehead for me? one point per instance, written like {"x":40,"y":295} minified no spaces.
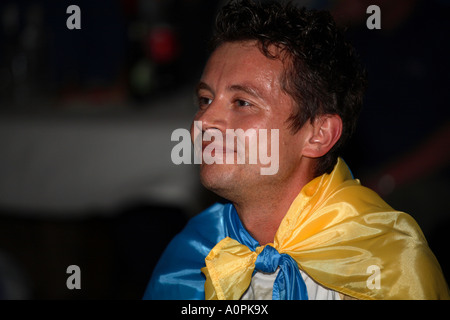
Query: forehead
{"x":242,"y":62}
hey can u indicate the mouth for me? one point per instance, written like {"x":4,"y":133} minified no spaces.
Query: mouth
{"x":217,"y":148}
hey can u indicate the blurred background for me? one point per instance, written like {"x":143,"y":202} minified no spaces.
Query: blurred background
{"x":86,"y":117}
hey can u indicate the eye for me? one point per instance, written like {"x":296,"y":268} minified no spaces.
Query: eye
{"x":242,"y":103}
{"x":203,"y":102}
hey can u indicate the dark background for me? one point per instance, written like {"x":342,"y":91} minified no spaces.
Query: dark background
{"x":86,"y":116}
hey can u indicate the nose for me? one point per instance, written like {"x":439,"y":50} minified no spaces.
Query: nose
{"x":214,"y":116}
{"x":210,"y":118}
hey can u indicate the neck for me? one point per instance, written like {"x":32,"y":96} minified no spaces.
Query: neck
{"x":262,"y":220}
{"x":262,"y":215}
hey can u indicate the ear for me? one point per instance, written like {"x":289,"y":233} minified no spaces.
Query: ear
{"x":325,"y":131}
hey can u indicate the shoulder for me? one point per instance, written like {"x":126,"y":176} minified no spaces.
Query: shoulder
{"x":206,"y":228}
{"x":211,"y":217}
{"x":177,"y":274}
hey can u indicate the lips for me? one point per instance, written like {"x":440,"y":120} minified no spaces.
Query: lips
{"x":216,"y":147}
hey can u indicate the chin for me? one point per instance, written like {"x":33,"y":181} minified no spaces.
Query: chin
{"x":232,"y":182}
{"x":220,"y":179}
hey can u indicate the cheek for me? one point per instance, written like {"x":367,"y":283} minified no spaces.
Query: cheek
{"x":291,"y":145}
{"x":244,"y":137}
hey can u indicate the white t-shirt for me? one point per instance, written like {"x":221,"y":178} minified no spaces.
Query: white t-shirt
{"x":261,"y":288}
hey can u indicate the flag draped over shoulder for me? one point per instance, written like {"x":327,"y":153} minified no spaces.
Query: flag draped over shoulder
{"x":336,"y":231}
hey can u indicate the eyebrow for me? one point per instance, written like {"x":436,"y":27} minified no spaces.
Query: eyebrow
{"x":247,"y":89}
{"x":202,"y":86}
{"x":236,"y":87}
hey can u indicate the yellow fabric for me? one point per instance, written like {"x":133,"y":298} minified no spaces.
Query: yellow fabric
{"x":335,"y":230}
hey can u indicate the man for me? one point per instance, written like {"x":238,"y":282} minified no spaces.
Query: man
{"x":308,"y":231}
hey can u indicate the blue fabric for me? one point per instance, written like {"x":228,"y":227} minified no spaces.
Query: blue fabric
{"x":178,"y":273}
{"x":289,"y":284}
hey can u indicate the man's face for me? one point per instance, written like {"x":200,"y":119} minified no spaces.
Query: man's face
{"x":240,"y":89}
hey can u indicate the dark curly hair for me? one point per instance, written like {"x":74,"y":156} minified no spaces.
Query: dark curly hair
{"x":322,"y":72}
